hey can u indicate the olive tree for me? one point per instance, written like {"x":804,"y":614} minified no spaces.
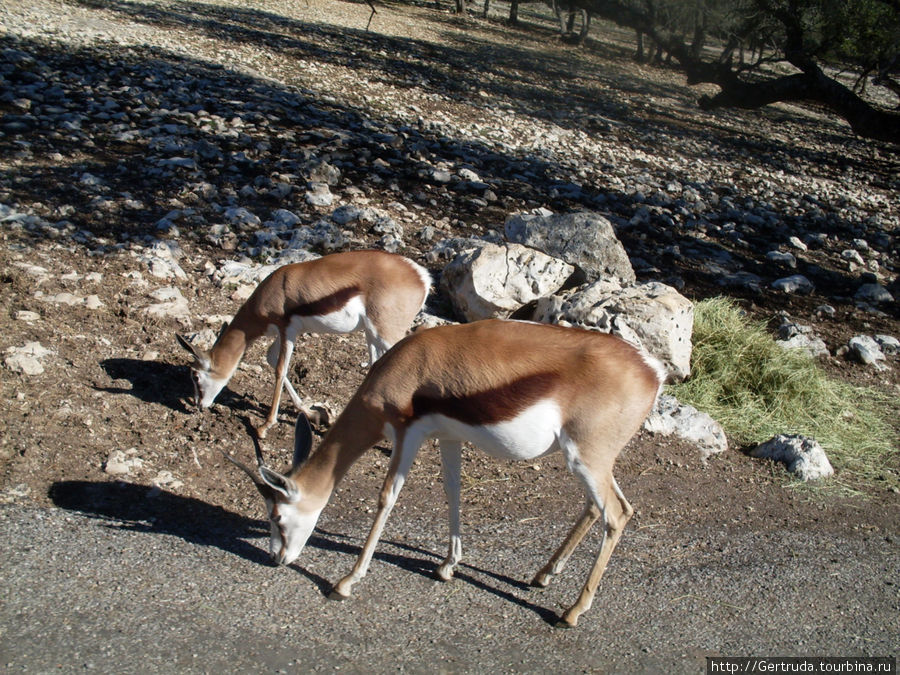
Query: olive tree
{"x":824,"y":52}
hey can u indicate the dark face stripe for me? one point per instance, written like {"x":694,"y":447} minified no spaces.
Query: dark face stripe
{"x":328,"y":304}
{"x":490,"y":406}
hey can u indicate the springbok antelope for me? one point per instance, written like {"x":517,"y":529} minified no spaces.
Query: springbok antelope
{"x":516,"y":390}
{"x":375,"y":291}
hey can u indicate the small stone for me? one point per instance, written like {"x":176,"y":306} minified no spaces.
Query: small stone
{"x":796,"y":284}
{"x":783,"y":258}
{"x":873,"y":293}
{"x":120,"y":463}
{"x":852,"y":255}
{"x":888,"y":344}
{"x":797,"y":244}
{"x":26,"y":359}
{"x":669,"y":416}
{"x":319,"y":195}
{"x":346,"y":214}
{"x":865,"y":350}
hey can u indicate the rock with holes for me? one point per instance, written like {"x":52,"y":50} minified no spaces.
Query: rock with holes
{"x":670,"y":417}
{"x":653,"y":316}
{"x":584,"y":239}
{"x":324,"y":234}
{"x":802,"y":456}
{"x":491,"y":281}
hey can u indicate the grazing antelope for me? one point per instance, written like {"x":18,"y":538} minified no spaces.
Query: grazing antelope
{"x":516,"y":390}
{"x":375,"y":291}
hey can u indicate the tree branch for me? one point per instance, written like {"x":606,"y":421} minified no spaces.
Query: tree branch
{"x":814,"y":87}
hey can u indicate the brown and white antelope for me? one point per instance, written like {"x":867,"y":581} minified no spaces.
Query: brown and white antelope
{"x":374,"y":291}
{"x":516,"y":390}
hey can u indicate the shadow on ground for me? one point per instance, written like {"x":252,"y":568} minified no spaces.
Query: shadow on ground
{"x":151,"y":510}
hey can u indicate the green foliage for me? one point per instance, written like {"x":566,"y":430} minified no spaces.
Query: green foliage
{"x":755,"y":388}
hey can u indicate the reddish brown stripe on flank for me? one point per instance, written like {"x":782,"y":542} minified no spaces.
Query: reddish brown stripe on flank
{"x":490,"y":406}
{"x":328,"y":304}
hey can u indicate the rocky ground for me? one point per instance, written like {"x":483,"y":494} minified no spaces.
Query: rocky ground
{"x":155,"y":154}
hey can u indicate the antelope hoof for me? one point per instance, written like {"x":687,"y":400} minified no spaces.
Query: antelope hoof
{"x":335,"y":595}
{"x":541,"y":580}
{"x":262,"y":429}
{"x":318,"y":416}
{"x":444,"y":572}
{"x":567,"y":620}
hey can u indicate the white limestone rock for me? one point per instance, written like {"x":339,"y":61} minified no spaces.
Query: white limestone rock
{"x":802,"y":456}
{"x":27,"y":359}
{"x":491,"y":281}
{"x":584,"y":239}
{"x":670,"y":417}
{"x":171,"y":304}
{"x":652,"y":316}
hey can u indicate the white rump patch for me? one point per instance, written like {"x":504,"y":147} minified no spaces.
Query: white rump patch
{"x":425,"y":276}
{"x":661,"y":373}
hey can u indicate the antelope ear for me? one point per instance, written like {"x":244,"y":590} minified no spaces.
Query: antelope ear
{"x":201,"y":358}
{"x":303,"y":437}
{"x":280,"y":483}
{"x":223,"y":328}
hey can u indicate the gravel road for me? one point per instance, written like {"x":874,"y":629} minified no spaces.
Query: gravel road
{"x":170,"y":583}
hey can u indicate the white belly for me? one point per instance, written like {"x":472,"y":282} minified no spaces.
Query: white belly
{"x":349,"y":318}
{"x":532,"y":433}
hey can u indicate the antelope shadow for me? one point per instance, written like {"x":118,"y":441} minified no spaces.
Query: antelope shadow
{"x":142,"y":508}
{"x":151,"y":510}
{"x":165,"y":384}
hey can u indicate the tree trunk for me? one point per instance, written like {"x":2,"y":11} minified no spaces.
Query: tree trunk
{"x":639,"y":52}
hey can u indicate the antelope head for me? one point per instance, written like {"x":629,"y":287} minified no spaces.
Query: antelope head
{"x":206,"y":385}
{"x":291,"y":517}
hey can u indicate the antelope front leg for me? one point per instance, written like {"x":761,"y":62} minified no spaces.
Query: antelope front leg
{"x":285,"y":349}
{"x":451,"y":459}
{"x":401,"y":461}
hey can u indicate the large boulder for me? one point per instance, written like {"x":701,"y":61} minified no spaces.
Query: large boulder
{"x":492,"y":281}
{"x":583,"y":239}
{"x":653,"y":316}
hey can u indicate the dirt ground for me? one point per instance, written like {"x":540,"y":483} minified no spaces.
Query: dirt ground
{"x":122,"y":383}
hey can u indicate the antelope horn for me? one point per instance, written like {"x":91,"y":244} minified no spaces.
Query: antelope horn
{"x":246,"y":469}
{"x":257,"y":447}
